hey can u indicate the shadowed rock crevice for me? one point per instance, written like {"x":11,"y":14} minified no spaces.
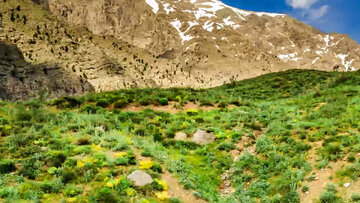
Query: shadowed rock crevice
{"x":21,"y":80}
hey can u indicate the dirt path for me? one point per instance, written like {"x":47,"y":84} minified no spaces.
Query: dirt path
{"x":171,"y":107}
{"x":322,"y":176}
{"x":175,"y":189}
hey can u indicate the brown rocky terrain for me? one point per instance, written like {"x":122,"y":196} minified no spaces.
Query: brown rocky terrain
{"x":112,"y":44}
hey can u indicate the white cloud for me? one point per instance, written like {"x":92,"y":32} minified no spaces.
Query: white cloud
{"x":315,"y":14}
{"x":306,"y":9}
{"x":302,"y":4}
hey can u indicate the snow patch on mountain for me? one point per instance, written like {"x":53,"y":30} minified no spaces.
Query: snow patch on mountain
{"x":347,"y":64}
{"x":154,"y":5}
{"x":177,"y":25}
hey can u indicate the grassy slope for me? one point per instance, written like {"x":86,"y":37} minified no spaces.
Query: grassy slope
{"x":71,"y":148}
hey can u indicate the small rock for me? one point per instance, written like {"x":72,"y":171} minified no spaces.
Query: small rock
{"x":202,"y":137}
{"x":43,"y":149}
{"x":346,"y":185}
{"x":180,"y":136}
{"x":100,"y":128}
{"x":307,"y":193}
{"x":140,"y":178}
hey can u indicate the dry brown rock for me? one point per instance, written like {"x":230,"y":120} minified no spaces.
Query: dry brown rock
{"x":202,"y":137}
{"x":140,"y":178}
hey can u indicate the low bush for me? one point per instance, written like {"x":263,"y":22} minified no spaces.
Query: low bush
{"x":106,"y":195}
{"x":55,"y":158}
{"x":68,"y":175}
{"x":72,"y":191}
{"x":121,"y":161}
{"x":163,"y":101}
{"x":102,"y":103}
{"x":7,"y":166}
{"x":355,"y":197}
{"x":121,"y":103}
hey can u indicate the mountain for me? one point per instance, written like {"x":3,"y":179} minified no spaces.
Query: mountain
{"x":113,"y":44}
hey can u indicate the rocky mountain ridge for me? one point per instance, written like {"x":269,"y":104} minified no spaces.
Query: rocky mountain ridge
{"x":113,"y":44}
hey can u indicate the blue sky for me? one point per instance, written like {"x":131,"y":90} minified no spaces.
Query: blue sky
{"x":341,"y":16}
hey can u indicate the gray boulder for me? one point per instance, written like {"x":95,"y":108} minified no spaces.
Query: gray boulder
{"x":202,"y":137}
{"x":140,"y":178}
{"x":180,"y":136}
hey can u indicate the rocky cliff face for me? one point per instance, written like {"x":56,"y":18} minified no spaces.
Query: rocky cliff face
{"x":211,"y":37}
{"x":20,"y":80}
{"x":112,"y":44}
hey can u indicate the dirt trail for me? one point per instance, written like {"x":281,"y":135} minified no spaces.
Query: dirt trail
{"x":175,"y":189}
{"x":170,"y":108}
{"x":321,"y":176}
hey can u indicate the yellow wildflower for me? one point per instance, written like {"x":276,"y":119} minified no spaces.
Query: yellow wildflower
{"x":109,"y":185}
{"x":96,"y":148}
{"x":71,"y":199}
{"x":7,"y":127}
{"x":80,"y":164}
{"x":162,"y":183}
{"x":130,"y":192}
{"x":146,"y":164}
{"x":120,"y":154}
{"x":162,"y":195}
{"x":117,"y":181}
{"x":129,"y":141}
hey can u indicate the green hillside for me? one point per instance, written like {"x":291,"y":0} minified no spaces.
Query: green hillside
{"x":283,"y":137}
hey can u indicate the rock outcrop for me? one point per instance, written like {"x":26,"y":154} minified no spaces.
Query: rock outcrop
{"x":140,"y":178}
{"x":19,"y":79}
{"x":114,"y":44}
{"x":203,"y":138}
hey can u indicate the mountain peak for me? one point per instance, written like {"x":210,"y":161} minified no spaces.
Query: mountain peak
{"x":171,"y":43}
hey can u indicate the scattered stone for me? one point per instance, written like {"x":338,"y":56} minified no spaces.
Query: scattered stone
{"x":307,"y":193}
{"x":100,"y":128}
{"x":180,"y":136}
{"x":140,"y":178}
{"x":43,"y":149}
{"x":346,"y":185}
{"x":202,"y":137}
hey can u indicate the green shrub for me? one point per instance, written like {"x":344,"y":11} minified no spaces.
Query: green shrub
{"x":330,"y":194}
{"x":355,"y":197}
{"x":122,"y":161}
{"x":55,"y":158}
{"x":145,"y":101}
{"x":263,"y":144}
{"x":106,"y":195}
{"x":68,"y":175}
{"x":90,"y":109}
{"x":121,"y":103}
{"x":158,"y":137}
{"x":226,"y":146}
{"x":72,"y":191}
{"x":157,"y":167}
{"x":351,"y":158}
{"x":206,"y":102}
{"x":84,"y":140}
{"x":305,"y":188}
{"x":102,"y":103}
{"x":30,"y":168}
{"x":174,"y":200}
{"x":146,"y":153}
{"x":223,"y":104}
{"x":163,"y":101}
{"x":70,"y":162}
{"x":7,"y":166}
